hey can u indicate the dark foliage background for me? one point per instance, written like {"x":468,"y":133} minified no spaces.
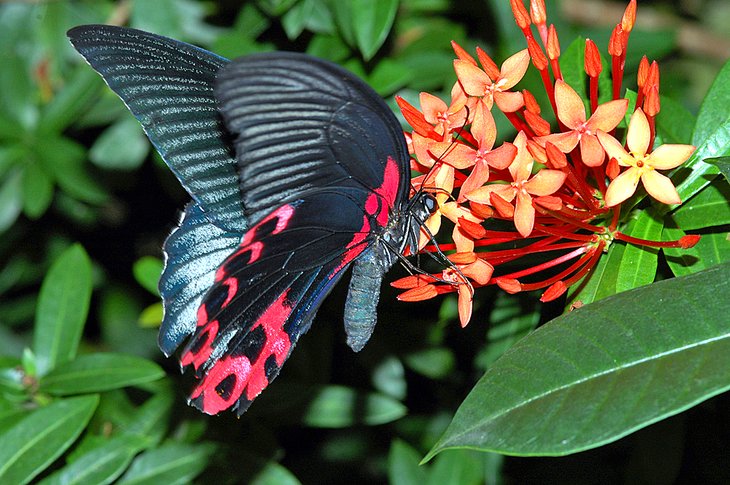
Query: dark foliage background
{"x":75,"y":168}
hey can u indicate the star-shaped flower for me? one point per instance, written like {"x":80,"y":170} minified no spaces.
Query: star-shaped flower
{"x":572,"y":113}
{"x":496,"y":88}
{"x":642,"y":165}
{"x":524,"y":186}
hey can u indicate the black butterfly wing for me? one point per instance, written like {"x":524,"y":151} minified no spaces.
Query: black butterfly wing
{"x":268,"y":291}
{"x":168,"y":86}
{"x":302,"y":123}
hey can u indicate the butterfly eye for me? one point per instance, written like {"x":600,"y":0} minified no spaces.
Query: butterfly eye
{"x":430,"y":203}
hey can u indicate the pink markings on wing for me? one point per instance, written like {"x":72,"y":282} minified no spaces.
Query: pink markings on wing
{"x":249,"y":243}
{"x":389,"y":189}
{"x":232,"y":284}
{"x":250,"y":377}
{"x":213,"y":403}
{"x":199,"y":352}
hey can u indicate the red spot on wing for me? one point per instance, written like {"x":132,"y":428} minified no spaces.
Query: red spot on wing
{"x":388,"y":191}
{"x":249,"y":243}
{"x":250,"y":377}
{"x":200,"y":352}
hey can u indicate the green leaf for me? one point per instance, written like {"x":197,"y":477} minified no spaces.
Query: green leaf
{"x":712,"y":249}
{"x":639,"y":263}
{"x":42,"y":436}
{"x":339,"y":407}
{"x":723,"y":163}
{"x":63,"y":304}
{"x":388,"y":76}
{"x":312,"y":15}
{"x":101,"y":465}
{"x":713,"y":111}
{"x":601,"y":281}
{"x":462,"y":467}
{"x":403,"y":465}
{"x":603,"y":371}
{"x":434,"y":363}
{"x":122,"y":146}
{"x":170,"y":463}
{"x":147,"y":271}
{"x":99,"y":372}
{"x":365,"y":24}
{"x":11,"y":199}
{"x":37,"y":191}
{"x":64,"y":159}
{"x":389,"y":378}
{"x":70,"y":102}
{"x":711,"y":207}
{"x":150,"y":419}
{"x":695,"y":174}
{"x":675,"y":122}
{"x":274,"y":474}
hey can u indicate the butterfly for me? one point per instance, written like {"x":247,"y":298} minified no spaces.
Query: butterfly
{"x":297,"y":170}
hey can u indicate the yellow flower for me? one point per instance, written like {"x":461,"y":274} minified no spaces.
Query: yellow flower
{"x":642,"y":165}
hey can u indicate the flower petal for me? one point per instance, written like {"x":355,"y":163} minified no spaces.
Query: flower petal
{"x":639,"y":134}
{"x":483,"y":128}
{"x":501,"y":157}
{"x":483,"y":194}
{"x":524,"y":214}
{"x":660,"y":187}
{"x":474,"y":80}
{"x":465,"y":304}
{"x":433,"y":107}
{"x":670,"y":156}
{"x":615,"y":150}
{"x":479,"y":271}
{"x":514,"y":68}
{"x":591,"y":151}
{"x":622,"y":187}
{"x":571,"y":110}
{"x":607,"y":115}
{"x":456,"y":154}
{"x":509,"y":101}
{"x":564,"y":141}
{"x":478,"y":177}
{"x":545,"y":182}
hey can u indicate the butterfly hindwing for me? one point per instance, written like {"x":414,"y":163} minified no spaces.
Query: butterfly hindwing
{"x":267,"y":293}
{"x":168,"y":85}
{"x":193,"y":253}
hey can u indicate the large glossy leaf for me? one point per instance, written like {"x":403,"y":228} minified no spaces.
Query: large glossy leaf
{"x":711,"y":207}
{"x":639,"y":263}
{"x":99,"y":372}
{"x":41,"y":436}
{"x":62,"y":307}
{"x":713,"y":111}
{"x":603,"y":371}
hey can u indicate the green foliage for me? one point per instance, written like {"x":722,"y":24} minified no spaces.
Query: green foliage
{"x":83,"y":396}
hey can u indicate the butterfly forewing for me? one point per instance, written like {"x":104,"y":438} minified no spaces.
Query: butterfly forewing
{"x":301,"y":123}
{"x":168,"y":86}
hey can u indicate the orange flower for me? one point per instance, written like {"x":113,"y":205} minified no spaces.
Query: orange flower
{"x":571,"y":112}
{"x":545,"y":182}
{"x":461,"y":156}
{"x":643,"y":166}
{"x":477,"y":82}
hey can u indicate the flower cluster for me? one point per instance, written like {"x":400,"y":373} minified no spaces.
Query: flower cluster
{"x":555,"y":189}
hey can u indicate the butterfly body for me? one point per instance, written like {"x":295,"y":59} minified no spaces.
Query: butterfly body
{"x":297,"y":170}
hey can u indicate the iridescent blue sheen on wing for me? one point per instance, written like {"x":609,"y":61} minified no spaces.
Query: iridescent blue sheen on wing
{"x":168,"y":86}
{"x":193,"y":252}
